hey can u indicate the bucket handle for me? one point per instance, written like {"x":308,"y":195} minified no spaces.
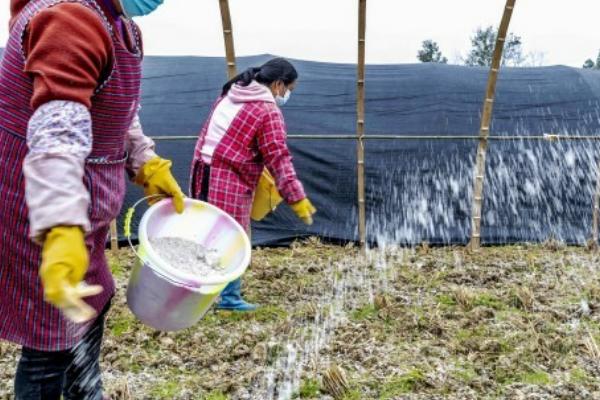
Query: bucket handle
{"x":129,"y":218}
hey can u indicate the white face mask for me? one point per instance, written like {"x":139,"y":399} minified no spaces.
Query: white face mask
{"x":282,"y":100}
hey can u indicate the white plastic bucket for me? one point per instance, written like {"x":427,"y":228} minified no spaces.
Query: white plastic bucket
{"x":166,"y":298}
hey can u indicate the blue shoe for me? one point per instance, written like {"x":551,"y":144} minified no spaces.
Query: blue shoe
{"x":231,"y":298}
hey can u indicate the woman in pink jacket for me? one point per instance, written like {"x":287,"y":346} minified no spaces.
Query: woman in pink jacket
{"x":244,"y":134}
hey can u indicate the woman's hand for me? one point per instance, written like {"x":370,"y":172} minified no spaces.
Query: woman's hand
{"x":64,"y":264}
{"x":156,"y":178}
{"x":304,"y":210}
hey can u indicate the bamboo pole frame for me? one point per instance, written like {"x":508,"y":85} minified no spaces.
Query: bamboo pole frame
{"x":360,"y":121}
{"x":228,"y":36}
{"x":483,"y":137}
{"x":484,"y":131}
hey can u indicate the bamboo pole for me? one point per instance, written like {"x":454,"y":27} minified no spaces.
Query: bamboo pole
{"x":228,"y":36}
{"x":114,"y":237}
{"x":484,"y":131}
{"x":229,"y":51}
{"x":360,"y":121}
{"x":596,"y":211}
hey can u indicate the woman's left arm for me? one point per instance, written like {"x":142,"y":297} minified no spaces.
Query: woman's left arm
{"x":140,"y":147}
{"x":149,"y":170}
{"x":272,"y":144}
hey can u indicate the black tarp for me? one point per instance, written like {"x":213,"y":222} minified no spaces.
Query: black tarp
{"x":416,"y":189}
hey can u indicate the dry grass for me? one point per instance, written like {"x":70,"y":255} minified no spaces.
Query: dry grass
{"x":335,"y":382}
{"x":518,"y":322}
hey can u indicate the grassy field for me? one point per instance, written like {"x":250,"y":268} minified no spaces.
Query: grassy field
{"x":517,"y":322}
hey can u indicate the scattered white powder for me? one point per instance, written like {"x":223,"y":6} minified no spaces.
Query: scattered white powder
{"x":187,"y":256}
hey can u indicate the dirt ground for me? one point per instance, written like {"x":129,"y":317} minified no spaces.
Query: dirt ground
{"x":517,"y":322}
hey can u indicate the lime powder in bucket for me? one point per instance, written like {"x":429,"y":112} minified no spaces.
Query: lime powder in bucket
{"x":187,"y":256}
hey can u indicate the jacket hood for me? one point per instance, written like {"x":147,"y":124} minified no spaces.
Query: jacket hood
{"x":253,"y":92}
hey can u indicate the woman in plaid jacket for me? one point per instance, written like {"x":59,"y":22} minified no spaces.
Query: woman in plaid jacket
{"x":244,"y":134}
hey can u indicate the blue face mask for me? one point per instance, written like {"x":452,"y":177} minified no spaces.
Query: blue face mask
{"x":138,"y":8}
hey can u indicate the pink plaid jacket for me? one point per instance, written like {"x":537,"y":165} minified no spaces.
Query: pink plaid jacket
{"x":255,"y":138}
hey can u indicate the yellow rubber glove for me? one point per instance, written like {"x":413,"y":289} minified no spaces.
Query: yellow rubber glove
{"x":156,"y":178}
{"x":304,"y":210}
{"x":266,"y":197}
{"x":64,"y":264}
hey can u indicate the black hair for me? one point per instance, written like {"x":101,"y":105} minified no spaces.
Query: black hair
{"x":277,"y":69}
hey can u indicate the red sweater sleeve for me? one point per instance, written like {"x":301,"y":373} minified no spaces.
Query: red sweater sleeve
{"x":68,"y":51}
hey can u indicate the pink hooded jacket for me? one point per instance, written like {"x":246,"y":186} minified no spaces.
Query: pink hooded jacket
{"x":244,"y":134}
